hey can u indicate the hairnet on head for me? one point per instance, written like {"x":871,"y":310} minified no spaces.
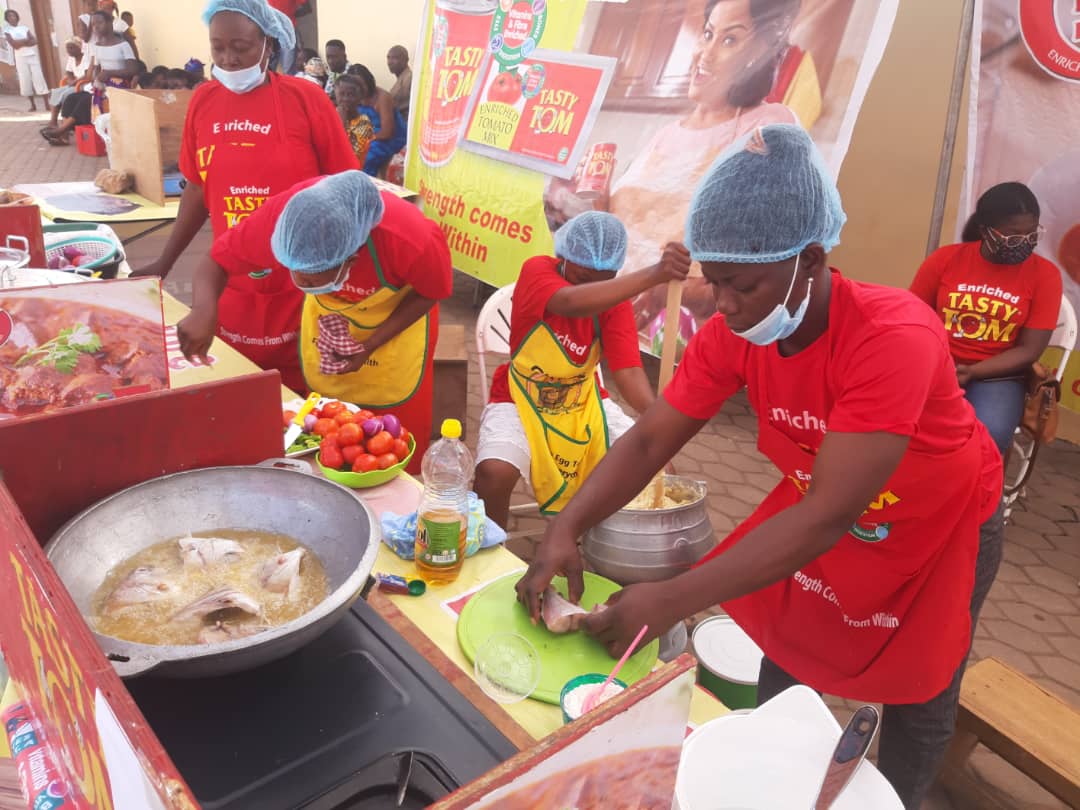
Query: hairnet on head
{"x":324,"y":224}
{"x":273,"y":23}
{"x":594,"y":239}
{"x":765,"y":199}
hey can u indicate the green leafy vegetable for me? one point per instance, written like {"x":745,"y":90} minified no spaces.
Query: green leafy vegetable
{"x":62,"y":352}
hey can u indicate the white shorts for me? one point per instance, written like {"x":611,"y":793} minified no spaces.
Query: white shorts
{"x":502,"y":436}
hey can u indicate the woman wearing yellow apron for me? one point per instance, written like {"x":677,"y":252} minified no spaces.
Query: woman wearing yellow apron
{"x":373,"y":269}
{"x":547,"y":417}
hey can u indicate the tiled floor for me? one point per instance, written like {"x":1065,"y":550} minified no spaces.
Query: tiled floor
{"x":1031,"y":619}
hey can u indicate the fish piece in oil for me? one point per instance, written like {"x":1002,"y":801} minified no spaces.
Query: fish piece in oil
{"x":281,"y":574}
{"x":221,"y":599}
{"x":200,"y":552}
{"x":220,"y":632}
{"x":145,"y":584}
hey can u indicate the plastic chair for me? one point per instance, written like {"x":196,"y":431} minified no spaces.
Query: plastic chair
{"x":493,"y":330}
{"x":1024,"y":447}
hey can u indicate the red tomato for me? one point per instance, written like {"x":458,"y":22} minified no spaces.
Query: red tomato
{"x":331,"y":442}
{"x":349,"y":434}
{"x":381,"y":442}
{"x":404,"y":435}
{"x":363,"y":414}
{"x":351,"y":452}
{"x":332,"y":409}
{"x":331,"y":457}
{"x":400,"y":448}
{"x":506,"y":88}
{"x":365,"y":462}
{"x":386,"y":461}
{"x":287,"y":418}
{"x":345,"y":417}
{"x":324,"y":427}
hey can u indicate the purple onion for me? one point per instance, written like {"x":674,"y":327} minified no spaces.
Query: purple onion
{"x":309,"y":422}
{"x":392,"y":425}
{"x":371,"y":426}
{"x":54,"y":262}
{"x":72,"y":252}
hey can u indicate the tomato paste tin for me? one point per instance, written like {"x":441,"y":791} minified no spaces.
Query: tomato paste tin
{"x":597,"y":168}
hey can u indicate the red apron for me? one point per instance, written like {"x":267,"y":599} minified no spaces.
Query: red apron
{"x":258,"y":314}
{"x":883,"y":616}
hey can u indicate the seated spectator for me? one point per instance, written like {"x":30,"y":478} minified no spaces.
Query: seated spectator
{"x":389,"y":126}
{"x":315,"y":71}
{"x":357,"y":125}
{"x":145,"y":81}
{"x":305,"y":56}
{"x":75,"y":70}
{"x":337,"y":64}
{"x":397,"y":60}
{"x":177,"y":79}
{"x":999,"y":303}
{"x":197,"y":70}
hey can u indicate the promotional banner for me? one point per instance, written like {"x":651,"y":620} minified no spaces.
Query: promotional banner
{"x":1025,"y":126}
{"x":528,"y":112}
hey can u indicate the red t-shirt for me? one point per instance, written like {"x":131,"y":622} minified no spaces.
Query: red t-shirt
{"x":883,"y":365}
{"x":287,"y":7}
{"x":985,"y":305}
{"x":243,"y":148}
{"x":539,"y":280}
{"x":411,"y":249}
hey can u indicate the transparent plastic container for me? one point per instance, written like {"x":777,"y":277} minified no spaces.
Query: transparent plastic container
{"x":444,"y":509}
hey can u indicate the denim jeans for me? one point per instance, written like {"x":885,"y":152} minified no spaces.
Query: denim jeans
{"x":999,"y":404}
{"x":914,"y":736}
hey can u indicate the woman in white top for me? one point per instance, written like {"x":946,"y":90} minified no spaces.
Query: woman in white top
{"x":120,"y":26}
{"x":75,"y":70}
{"x":21,"y":39}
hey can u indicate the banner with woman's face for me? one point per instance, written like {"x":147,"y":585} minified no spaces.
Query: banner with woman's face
{"x":527,"y":112}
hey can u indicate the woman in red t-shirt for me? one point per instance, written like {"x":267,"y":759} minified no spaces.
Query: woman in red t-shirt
{"x":250,"y":134}
{"x":999,"y":303}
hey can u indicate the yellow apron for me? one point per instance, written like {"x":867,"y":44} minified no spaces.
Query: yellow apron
{"x":392,"y":373}
{"x":560,"y":407}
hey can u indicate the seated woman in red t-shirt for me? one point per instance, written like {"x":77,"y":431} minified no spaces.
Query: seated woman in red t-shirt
{"x":548,"y":418}
{"x":999,"y":303}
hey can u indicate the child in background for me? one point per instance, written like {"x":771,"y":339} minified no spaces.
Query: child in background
{"x":129,"y":18}
{"x":357,"y":125}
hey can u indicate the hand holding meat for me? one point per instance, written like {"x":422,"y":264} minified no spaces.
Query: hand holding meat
{"x":625,"y":614}
{"x":557,"y":554}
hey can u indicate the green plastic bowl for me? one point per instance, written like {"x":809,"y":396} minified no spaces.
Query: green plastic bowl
{"x":581,"y":680}
{"x":365,"y":480}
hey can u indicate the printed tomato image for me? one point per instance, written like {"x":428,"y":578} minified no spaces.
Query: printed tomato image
{"x":505,"y":88}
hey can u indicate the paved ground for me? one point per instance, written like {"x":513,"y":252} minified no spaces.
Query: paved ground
{"x":1031,"y":618}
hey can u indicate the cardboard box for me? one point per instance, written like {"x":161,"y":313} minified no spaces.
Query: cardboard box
{"x":146,"y":127}
{"x":451,"y":383}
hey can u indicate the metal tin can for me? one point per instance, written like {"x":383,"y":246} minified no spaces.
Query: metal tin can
{"x":728,"y":662}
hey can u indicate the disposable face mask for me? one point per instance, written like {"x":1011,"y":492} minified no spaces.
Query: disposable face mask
{"x":244,"y":80}
{"x":779,"y":323}
{"x":327,"y":289}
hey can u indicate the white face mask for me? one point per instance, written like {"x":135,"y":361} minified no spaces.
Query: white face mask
{"x":779,"y":323}
{"x":244,"y":80}
{"x":334,"y":286}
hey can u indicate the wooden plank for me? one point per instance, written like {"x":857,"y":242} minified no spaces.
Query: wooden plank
{"x":57,"y":464}
{"x":495,"y":714}
{"x":1035,"y":730}
{"x":135,"y":148}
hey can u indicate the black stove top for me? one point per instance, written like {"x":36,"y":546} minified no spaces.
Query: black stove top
{"x":339,"y":725}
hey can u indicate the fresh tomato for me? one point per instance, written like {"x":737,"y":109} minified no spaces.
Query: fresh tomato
{"x":331,"y":442}
{"x":344,"y":417}
{"x":331,"y":457}
{"x":365,"y":462}
{"x":381,"y":442}
{"x":351,"y":452}
{"x":287,"y":418}
{"x":349,"y":434}
{"x":332,"y":409}
{"x":400,"y":448}
{"x":386,"y":461}
{"x":404,"y":435}
{"x":363,"y":414}
{"x":324,"y":427}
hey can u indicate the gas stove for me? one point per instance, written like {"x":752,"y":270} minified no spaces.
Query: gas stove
{"x":354,"y":720}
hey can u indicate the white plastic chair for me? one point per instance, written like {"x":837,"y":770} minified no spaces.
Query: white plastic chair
{"x":1024,"y":447}
{"x":493,"y":330}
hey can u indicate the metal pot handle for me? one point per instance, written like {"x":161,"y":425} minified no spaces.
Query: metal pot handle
{"x":11,"y":241}
{"x":134,"y":666}
{"x":293,"y":464}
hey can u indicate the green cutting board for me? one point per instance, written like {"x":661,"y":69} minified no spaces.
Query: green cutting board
{"x":495,"y":609}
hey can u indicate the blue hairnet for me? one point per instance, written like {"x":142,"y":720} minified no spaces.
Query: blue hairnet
{"x":594,"y":239}
{"x":324,"y":224}
{"x":764,"y":200}
{"x":274,"y":23}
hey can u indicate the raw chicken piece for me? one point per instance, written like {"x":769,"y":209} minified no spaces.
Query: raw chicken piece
{"x":560,"y":615}
{"x":281,"y":574}
{"x":145,"y":584}
{"x":200,"y":552}
{"x":221,"y":599}
{"x":221,"y":632}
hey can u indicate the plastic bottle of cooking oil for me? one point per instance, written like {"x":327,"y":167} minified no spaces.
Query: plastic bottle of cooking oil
{"x":444,"y":510}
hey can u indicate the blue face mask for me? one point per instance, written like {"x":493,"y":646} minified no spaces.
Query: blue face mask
{"x":779,"y":323}
{"x":334,"y":286}
{"x":244,"y":80}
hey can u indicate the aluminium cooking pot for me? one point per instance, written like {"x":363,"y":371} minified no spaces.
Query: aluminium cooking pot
{"x":325,"y":517}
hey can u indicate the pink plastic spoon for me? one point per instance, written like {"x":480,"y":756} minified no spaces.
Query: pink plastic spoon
{"x":594,"y":697}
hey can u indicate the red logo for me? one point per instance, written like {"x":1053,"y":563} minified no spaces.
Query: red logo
{"x":6,"y":325}
{"x":1051,"y":32}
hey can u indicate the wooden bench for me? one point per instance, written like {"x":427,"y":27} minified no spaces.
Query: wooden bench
{"x":1029,"y":727}
{"x":451,"y":378}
